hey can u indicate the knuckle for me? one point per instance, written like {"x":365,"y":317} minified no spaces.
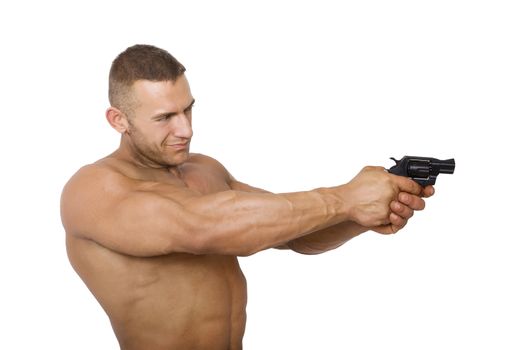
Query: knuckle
{"x":408,"y":199}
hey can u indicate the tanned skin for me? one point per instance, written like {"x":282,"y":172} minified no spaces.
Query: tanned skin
{"x":154,"y":231}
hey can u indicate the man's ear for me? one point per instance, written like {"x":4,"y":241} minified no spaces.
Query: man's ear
{"x":117,"y":119}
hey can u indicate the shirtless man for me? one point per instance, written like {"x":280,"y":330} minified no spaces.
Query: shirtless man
{"x":154,"y":231}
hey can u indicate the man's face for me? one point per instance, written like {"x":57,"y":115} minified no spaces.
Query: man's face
{"x":160,"y":130}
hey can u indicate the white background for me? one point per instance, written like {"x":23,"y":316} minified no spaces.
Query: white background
{"x":291,"y":95}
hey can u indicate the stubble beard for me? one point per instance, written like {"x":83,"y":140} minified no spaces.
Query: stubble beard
{"x":151,"y":155}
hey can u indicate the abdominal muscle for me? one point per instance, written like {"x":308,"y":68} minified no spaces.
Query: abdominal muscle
{"x":179,"y":301}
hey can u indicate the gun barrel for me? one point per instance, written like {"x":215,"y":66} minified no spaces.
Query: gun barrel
{"x":445,"y":166}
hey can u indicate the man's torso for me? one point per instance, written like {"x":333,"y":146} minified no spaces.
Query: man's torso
{"x":174,"y":301}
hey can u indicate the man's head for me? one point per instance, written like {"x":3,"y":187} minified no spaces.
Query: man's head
{"x":151,"y":105}
{"x":139,"y":62}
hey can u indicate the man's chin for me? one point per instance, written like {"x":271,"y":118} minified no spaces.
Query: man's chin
{"x":178,"y":159}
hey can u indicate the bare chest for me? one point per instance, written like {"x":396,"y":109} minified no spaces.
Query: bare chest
{"x":195,"y":176}
{"x":202,"y":180}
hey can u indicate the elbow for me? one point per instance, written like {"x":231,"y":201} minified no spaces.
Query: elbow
{"x":307,"y":248}
{"x":210,"y":249}
{"x":309,"y":252}
{"x":196,"y":239}
{"x":187,"y":233}
{"x":223,"y":239}
{"x":248,"y":252}
{"x":222,"y":232}
{"x":214,"y":244}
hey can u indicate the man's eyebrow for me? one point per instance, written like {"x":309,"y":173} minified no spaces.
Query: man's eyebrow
{"x":170,"y":114}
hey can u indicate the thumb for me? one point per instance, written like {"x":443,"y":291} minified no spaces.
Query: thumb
{"x":386,"y":229}
{"x":408,"y":185}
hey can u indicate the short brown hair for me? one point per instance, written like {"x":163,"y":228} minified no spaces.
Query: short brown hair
{"x":139,"y":62}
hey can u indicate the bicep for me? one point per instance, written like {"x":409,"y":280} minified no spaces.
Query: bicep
{"x":145,"y":224}
{"x":240,"y":186}
{"x":126,"y":220}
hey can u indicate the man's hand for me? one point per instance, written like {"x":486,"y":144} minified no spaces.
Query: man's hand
{"x":370,"y":195}
{"x":403,"y":209}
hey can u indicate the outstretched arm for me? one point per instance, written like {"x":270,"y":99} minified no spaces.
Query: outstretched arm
{"x":334,"y":236}
{"x":142,"y":218}
{"x":145,"y":218}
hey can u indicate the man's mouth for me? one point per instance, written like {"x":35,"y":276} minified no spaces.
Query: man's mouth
{"x":178,"y":146}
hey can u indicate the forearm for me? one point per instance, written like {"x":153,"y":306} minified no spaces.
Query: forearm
{"x":241,"y":223}
{"x":319,"y":241}
{"x":326,"y":239}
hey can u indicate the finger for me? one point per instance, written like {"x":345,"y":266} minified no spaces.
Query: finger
{"x":428,"y":191}
{"x":402,"y":210}
{"x":385,"y":229}
{"x":413,"y":201}
{"x":397,"y":222}
{"x":408,"y":185}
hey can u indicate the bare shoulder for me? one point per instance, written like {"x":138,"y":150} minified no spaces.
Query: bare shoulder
{"x":93,"y":177}
{"x":215,"y":167}
{"x":202,"y":159}
{"x":92,"y":188}
{"x":209,"y":164}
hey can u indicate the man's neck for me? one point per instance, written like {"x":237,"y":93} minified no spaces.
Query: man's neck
{"x":128,"y":152}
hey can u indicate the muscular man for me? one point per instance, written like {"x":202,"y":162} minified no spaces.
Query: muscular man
{"x":154,"y":231}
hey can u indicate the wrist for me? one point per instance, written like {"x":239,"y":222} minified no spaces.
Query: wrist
{"x":336,"y":206}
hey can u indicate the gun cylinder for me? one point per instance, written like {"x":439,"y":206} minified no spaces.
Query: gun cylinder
{"x":418,"y":169}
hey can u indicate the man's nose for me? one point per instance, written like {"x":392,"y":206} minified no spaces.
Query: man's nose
{"x":181,"y":126}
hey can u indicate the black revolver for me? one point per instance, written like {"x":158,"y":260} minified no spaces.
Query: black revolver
{"x":422,"y":170}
